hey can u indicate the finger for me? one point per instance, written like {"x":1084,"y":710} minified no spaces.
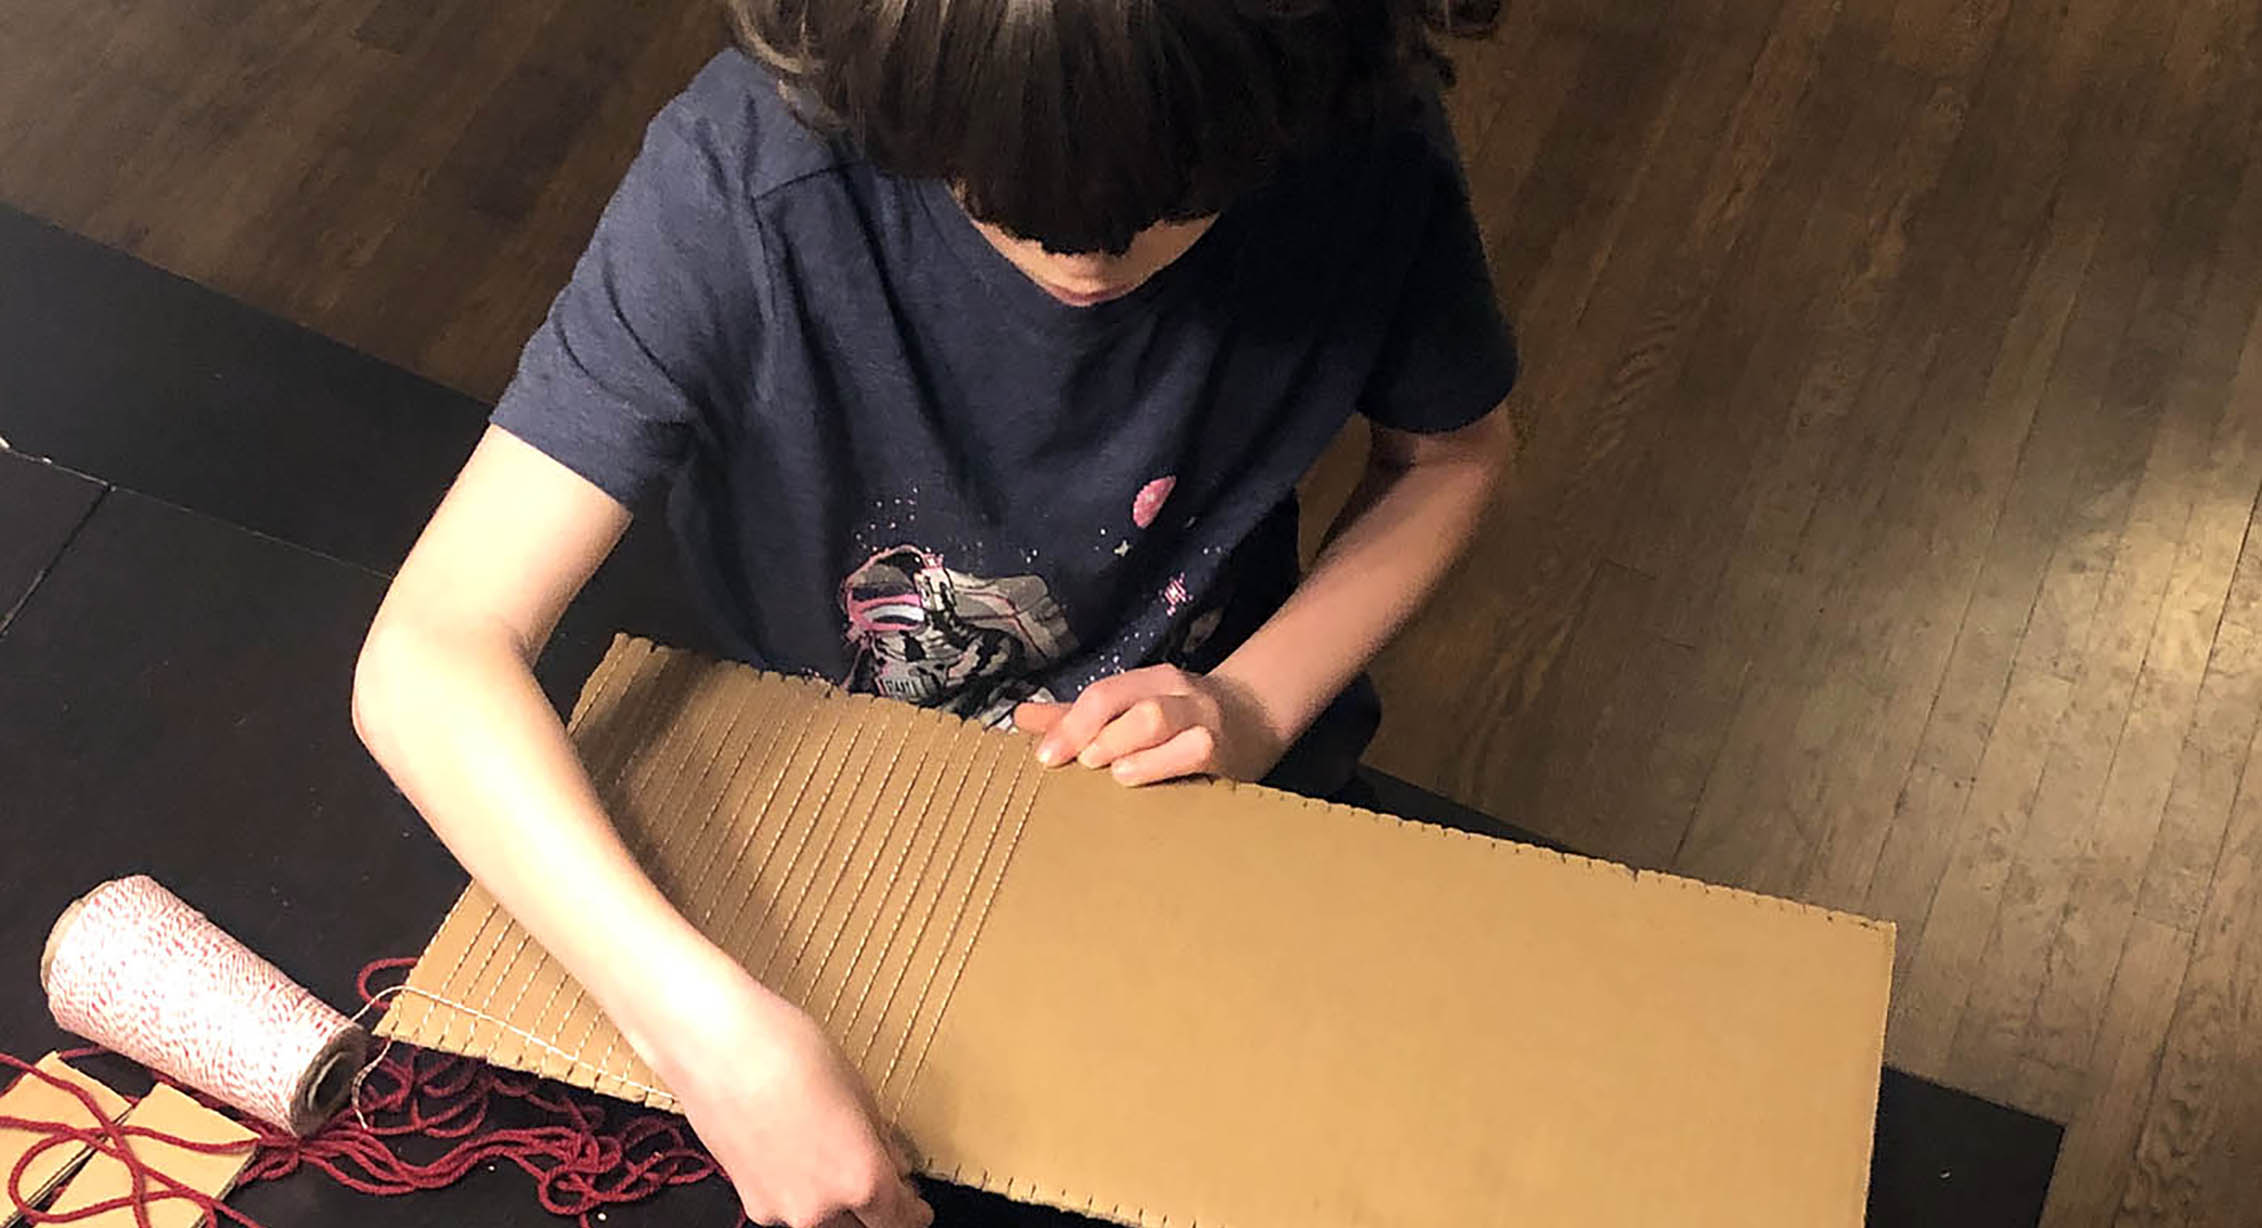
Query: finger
{"x":1145,"y":725}
{"x":899,"y":1148}
{"x":896,"y":1205}
{"x":1191,"y":753}
{"x":1037,"y":718}
{"x":1100,"y":703}
{"x":844,"y":1218}
{"x":757,"y":1207}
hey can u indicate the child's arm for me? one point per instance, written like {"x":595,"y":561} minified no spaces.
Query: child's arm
{"x":1409,"y":520}
{"x":446,"y":700}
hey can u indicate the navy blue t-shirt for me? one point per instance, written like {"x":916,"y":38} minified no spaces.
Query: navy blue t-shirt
{"x":893,"y":461}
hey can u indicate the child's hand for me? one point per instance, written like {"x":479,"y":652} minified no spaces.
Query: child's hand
{"x":783,"y":1112}
{"x":1157,"y":723}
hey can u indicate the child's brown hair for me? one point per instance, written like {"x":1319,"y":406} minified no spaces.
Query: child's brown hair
{"x":1078,"y":123}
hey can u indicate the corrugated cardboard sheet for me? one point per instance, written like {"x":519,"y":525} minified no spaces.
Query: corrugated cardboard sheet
{"x":106,"y":1179}
{"x":32,"y":1098}
{"x":1204,"y":1004}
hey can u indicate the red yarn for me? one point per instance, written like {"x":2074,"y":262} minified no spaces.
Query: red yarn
{"x":583,"y":1156}
{"x":107,"y":1135}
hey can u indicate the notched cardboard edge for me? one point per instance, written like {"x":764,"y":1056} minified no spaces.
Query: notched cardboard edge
{"x":1500,"y":845}
{"x":1062,"y":1200}
{"x":1585,"y":863}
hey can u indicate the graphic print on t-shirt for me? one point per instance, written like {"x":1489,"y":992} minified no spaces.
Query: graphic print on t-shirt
{"x":941,"y":638}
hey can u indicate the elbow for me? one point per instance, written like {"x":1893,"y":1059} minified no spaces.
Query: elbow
{"x":388,"y":676}
{"x":1483,"y":451}
{"x":1495,"y":442}
{"x":408,"y":664}
{"x":373,"y":688}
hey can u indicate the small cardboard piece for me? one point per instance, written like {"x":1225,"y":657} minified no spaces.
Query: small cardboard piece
{"x":35,"y":1099}
{"x":1204,"y":1004}
{"x":170,"y":1111}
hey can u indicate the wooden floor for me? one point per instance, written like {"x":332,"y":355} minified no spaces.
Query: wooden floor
{"x":1894,"y":421}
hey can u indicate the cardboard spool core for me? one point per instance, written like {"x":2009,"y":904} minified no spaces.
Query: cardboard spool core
{"x":55,"y":942}
{"x":328,"y":1081}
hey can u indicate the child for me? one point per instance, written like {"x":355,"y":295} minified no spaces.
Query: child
{"x":978,"y":346}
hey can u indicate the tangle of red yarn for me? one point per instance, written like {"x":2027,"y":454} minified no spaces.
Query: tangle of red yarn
{"x":583,"y":1157}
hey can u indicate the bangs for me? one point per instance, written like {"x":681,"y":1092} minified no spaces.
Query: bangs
{"x":1079,"y":123}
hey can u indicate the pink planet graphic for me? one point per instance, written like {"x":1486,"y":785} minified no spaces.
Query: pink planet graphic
{"x":1148,"y":503}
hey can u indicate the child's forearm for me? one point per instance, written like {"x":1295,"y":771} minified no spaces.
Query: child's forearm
{"x":1407,"y":523}
{"x":453,"y":714}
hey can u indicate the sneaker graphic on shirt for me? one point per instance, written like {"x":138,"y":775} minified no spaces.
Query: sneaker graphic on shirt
{"x":941,"y":638}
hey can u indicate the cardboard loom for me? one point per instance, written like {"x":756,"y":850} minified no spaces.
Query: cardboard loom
{"x":1203,"y":1004}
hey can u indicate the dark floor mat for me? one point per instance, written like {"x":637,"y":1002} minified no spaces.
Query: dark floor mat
{"x":40,"y":507}
{"x":140,"y":378}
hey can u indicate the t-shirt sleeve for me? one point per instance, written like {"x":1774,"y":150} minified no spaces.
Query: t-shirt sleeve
{"x":1449,"y":355}
{"x":661,"y":308}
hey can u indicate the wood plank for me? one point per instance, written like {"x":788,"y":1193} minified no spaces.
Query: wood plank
{"x":1581,"y":702}
{"x":1921,"y":586}
{"x":1852,"y":373}
{"x":2026,"y":534}
{"x":2131,"y":487}
{"x":222,"y":140}
{"x":506,"y":295}
{"x":1499,"y":153}
{"x":2093,"y":1161}
{"x":1972,"y":688}
{"x":2047,"y":848}
{"x":314,"y":189}
{"x":2003,"y":157}
{"x":482,"y":189}
{"x":113,"y":114}
{"x":2183,"y":1171}
{"x":1598,"y":142}
{"x":2244,"y":602}
{"x":1632,"y":335}
{"x":2231,"y":1195}
{"x":1794,"y":235}
{"x":1909,"y":512}
{"x":2210,"y":495}
{"x":1934,"y":974}
{"x":2049,"y":74}
{"x":2230,"y":696}
{"x":2174,"y":888}
{"x":1638,"y":818}
{"x":1730,"y":398}
{"x":1940,"y":36}
{"x":1794,"y":548}
{"x":398,"y":26}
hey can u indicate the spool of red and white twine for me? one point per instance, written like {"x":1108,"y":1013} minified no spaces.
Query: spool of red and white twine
{"x":131,"y":967}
